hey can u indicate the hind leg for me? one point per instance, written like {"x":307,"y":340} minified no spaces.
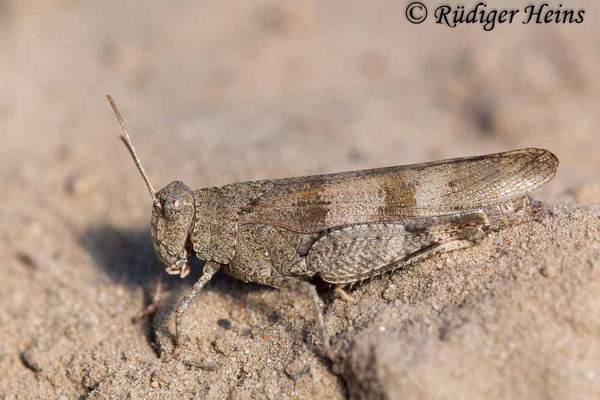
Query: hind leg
{"x":360,"y":252}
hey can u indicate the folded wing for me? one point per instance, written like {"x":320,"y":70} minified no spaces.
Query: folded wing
{"x":315,"y":203}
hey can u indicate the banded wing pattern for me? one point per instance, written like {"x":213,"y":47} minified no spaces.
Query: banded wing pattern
{"x":316,"y":203}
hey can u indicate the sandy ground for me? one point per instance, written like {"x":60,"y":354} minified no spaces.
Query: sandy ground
{"x":217,"y":93}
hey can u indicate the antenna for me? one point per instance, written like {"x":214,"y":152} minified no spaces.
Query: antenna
{"x":127,"y":141}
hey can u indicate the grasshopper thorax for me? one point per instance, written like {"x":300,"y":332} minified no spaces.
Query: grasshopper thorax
{"x":172,"y":219}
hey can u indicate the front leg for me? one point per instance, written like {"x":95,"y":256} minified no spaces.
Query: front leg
{"x":153,"y":306}
{"x":210,"y":268}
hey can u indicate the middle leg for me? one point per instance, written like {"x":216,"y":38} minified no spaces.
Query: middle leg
{"x":308,"y":289}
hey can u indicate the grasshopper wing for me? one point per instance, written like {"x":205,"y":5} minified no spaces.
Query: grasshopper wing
{"x":316,"y":203}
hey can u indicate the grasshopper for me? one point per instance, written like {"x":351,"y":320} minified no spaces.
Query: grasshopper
{"x":340,"y":228}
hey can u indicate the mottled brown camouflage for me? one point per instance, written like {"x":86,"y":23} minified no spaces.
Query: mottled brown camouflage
{"x":346,"y":227}
{"x":341,"y":228}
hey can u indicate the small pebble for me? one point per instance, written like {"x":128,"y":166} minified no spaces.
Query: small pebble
{"x":27,"y":259}
{"x":207,"y":363}
{"x":180,"y":367}
{"x":588,"y":194}
{"x":81,"y":184}
{"x":224,"y":323}
{"x":296,"y":369}
{"x":32,"y":358}
{"x":590,"y":375}
{"x":549,"y":271}
{"x":391,"y":293}
{"x":223,"y":346}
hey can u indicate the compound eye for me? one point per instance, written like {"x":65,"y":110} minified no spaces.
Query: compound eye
{"x":172,"y":207}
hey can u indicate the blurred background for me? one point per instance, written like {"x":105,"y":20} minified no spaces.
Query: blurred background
{"x":216,"y":92}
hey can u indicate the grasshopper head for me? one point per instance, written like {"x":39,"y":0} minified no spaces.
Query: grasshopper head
{"x":172,"y":213}
{"x":172,"y":218}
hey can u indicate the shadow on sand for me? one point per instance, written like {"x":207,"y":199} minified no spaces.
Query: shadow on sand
{"x":127,"y":257}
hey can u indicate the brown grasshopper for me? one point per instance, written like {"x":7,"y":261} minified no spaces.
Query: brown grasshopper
{"x":341,"y":228}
